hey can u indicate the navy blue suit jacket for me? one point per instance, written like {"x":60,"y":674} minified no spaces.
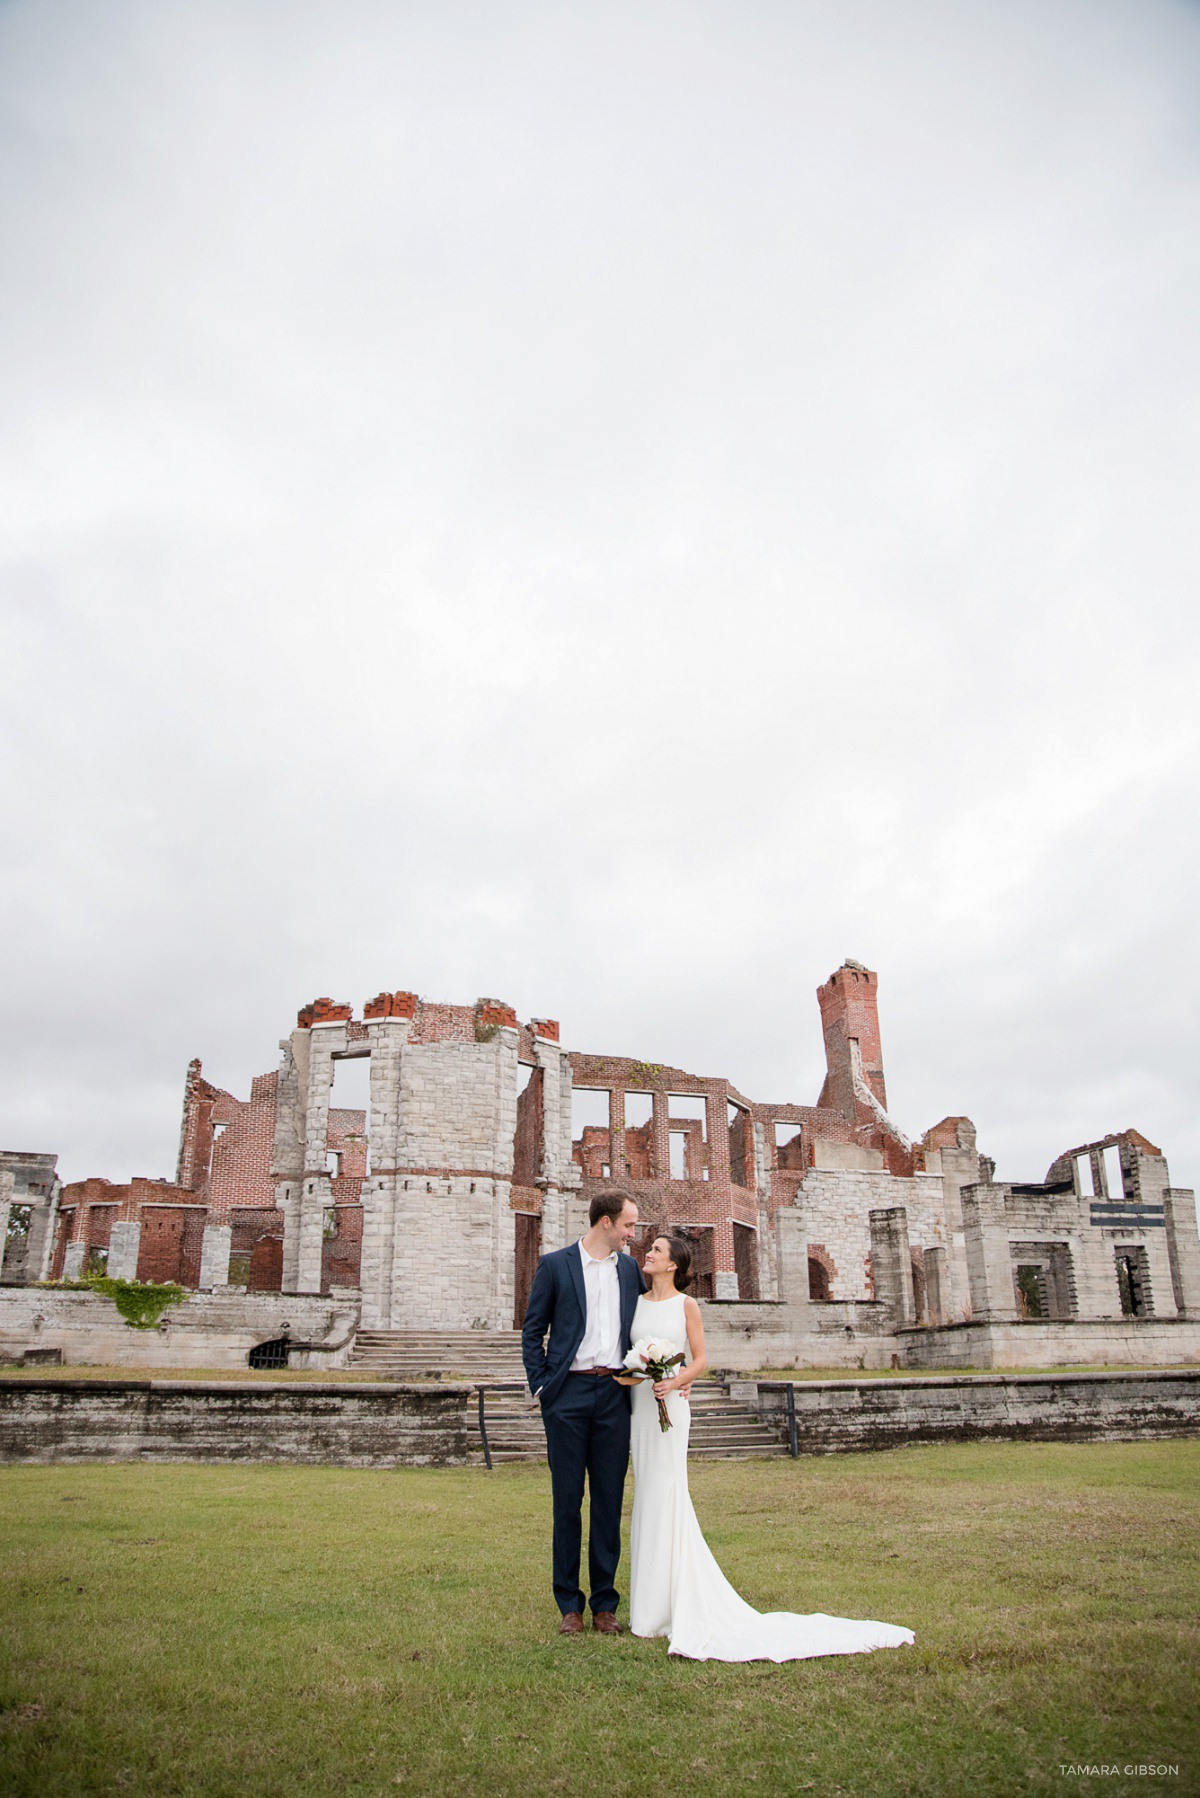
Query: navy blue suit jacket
{"x":557,"y":1303}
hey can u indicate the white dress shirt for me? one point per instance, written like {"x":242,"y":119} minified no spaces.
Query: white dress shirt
{"x":601,"y":1345}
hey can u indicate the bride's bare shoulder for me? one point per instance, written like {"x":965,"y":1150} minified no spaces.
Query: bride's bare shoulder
{"x":690,"y":1307}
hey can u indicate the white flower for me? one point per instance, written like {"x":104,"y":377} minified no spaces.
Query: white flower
{"x":639,"y":1354}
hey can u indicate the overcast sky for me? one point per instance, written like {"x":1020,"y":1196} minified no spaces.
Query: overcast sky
{"x":615,"y":507}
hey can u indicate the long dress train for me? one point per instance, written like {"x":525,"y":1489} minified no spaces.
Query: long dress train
{"x":676,"y":1588}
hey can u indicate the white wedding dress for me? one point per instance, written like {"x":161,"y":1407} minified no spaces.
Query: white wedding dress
{"x":676,"y":1588}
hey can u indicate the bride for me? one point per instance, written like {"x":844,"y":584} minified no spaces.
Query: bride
{"x":676,"y":1588}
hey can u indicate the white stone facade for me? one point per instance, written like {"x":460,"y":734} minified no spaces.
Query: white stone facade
{"x":438,"y":1246}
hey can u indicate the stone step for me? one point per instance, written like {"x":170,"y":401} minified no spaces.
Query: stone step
{"x":767,"y":1451}
{"x":742,"y":1451}
{"x":721,"y":1428}
{"x":396,"y":1367}
{"x":424,"y":1339}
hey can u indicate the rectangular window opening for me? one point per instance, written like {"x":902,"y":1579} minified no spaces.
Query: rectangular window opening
{"x":19,"y":1219}
{"x":741,"y":1150}
{"x":1133,"y":1280}
{"x":1113,"y":1177}
{"x":349,"y":1132}
{"x":1043,"y":1279}
{"x":1031,"y":1292}
{"x":591,"y":1145}
{"x":639,"y":1133}
{"x":789,"y":1148}
{"x":687,"y":1121}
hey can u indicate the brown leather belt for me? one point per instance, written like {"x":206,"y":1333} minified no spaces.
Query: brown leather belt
{"x":587,"y":1373}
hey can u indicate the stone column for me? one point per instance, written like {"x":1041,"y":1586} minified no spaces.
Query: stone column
{"x":616,"y":1133}
{"x":960,"y":1167}
{"x":316,"y":1195}
{"x":6,"y":1199}
{"x":1183,"y":1248}
{"x":387,"y":1037}
{"x":891,"y":1260}
{"x":791,"y":1238}
{"x":73,"y":1260}
{"x":504,"y":1114}
{"x":768,"y":1260}
{"x":504,"y":1256}
{"x":287,"y":1200}
{"x":989,"y":1258}
{"x":548,"y":1057}
{"x":287,"y":1151}
{"x":660,"y":1136}
{"x":214,"y":1256}
{"x":554,"y":1220}
{"x":375,"y":1267}
{"x":936,"y":1291}
{"x":123,"y":1247}
{"x":560,"y":1174}
{"x":314,"y":1192}
{"x":41,"y":1237}
{"x":323,"y":1040}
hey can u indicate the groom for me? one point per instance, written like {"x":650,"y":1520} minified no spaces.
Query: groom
{"x":585,"y":1296}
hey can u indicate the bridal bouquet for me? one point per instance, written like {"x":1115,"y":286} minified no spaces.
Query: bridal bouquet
{"x":652,"y":1360}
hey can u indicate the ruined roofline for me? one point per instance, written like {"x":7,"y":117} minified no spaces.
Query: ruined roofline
{"x":645,"y":1076}
{"x":480,"y":1020}
{"x":1133,"y":1138}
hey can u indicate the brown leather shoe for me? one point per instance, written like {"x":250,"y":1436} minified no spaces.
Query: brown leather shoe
{"x":572,"y":1624}
{"x":606,"y":1623}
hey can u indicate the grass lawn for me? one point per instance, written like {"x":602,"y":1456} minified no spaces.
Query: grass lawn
{"x":268,"y":1632}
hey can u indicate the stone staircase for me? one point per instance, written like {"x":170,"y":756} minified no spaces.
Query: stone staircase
{"x":420,"y":1355}
{"x":721,"y":1427}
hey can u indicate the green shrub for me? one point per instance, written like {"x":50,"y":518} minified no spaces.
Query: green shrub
{"x":140,"y":1302}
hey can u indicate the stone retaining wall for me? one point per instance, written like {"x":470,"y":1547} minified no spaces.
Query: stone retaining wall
{"x":1042,"y":1342}
{"x":746,"y":1335}
{"x":180,"y":1420}
{"x":208,"y":1329}
{"x":841,"y":1416}
{"x":48,"y":1420}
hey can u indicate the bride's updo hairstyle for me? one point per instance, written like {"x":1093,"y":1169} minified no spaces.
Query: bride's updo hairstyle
{"x":680,"y":1251}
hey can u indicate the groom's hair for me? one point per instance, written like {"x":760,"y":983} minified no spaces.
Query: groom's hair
{"x":609,"y":1204}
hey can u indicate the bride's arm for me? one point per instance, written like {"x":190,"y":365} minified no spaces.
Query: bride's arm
{"x":699,"y":1361}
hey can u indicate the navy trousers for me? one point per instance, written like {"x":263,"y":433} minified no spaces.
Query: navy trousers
{"x":587,"y":1434}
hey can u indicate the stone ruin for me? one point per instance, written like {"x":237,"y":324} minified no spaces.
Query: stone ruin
{"x":821,"y":1233}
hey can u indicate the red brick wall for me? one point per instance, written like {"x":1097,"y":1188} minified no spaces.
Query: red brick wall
{"x":172,"y":1236}
{"x":346,"y":1135}
{"x":341,"y":1253}
{"x":241,"y":1155}
{"x":529,"y":1138}
{"x":640,"y":1158}
{"x":849,"y":1004}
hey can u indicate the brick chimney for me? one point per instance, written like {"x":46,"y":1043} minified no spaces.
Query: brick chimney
{"x":850,"y":1016}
